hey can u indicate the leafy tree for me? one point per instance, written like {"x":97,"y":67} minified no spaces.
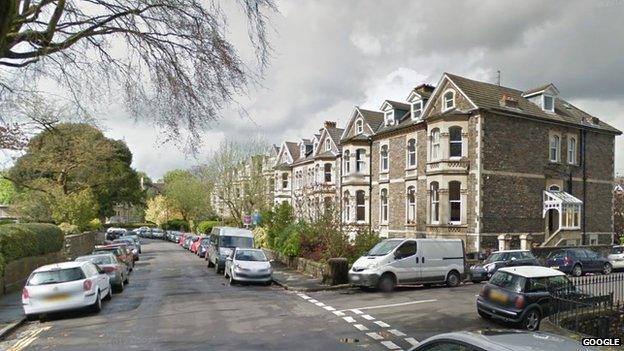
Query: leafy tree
{"x":159,"y":211}
{"x":76,"y":208}
{"x":186,"y":194}
{"x":7,"y":191}
{"x":74,"y":157}
{"x":169,"y":57}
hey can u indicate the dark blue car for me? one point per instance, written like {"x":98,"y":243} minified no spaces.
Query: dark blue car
{"x":576,"y":261}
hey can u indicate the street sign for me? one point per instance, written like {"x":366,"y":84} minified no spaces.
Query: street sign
{"x":247,"y":219}
{"x":256,"y":218}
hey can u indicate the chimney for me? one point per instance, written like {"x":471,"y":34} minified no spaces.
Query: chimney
{"x":508,"y":101}
{"x":330,"y":124}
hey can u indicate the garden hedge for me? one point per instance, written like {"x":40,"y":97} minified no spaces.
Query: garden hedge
{"x":205,"y":227}
{"x":29,"y":239}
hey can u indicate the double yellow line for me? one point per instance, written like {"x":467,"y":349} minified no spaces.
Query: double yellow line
{"x":28,"y":339}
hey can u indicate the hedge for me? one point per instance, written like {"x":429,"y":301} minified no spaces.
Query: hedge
{"x":129,"y":225}
{"x":205,"y":227}
{"x":29,"y":239}
{"x":176,"y":224}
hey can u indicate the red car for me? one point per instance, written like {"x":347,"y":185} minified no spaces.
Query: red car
{"x":120,"y":251}
{"x":195,"y":244}
{"x":182,"y":238}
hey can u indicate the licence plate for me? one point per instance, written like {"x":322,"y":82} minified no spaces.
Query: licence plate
{"x":355,"y":278}
{"x":59,"y":297}
{"x":498,"y":296}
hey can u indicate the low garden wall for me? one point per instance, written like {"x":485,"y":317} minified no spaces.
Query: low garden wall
{"x":305,"y":266}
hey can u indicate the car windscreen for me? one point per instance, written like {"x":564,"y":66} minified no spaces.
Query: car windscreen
{"x":116,"y":251}
{"x":495,"y":257}
{"x":97,"y":259}
{"x":617,"y":250}
{"x":508,"y":281}
{"x":384,"y":247}
{"x":250,"y":255}
{"x":235,"y":241}
{"x":56,"y":276}
{"x":557,"y":254}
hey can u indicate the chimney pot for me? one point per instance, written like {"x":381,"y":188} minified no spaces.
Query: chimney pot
{"x":330,"y":124}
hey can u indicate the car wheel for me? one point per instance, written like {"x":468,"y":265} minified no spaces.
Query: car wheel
{"x":531,"y":320}
{"x":121,"y":286}
{"x":109,"y":296}
{"x":577,"y":270}
{"x":387,"y":283}
{"x":127,"y":280}
{"x":453,"y":279}
{"x":216,"y":267}
{"x":97,"y":305}
{"x":232,"y":280}
{"x":607,"y":268}
{"x":209,"y":262}
{"x":32,"y":317}
{"x":483,"y":314}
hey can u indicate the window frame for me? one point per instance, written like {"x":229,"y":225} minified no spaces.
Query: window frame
{"x":411,"y":153}
{"x":455,"y":201}
{"x":384,"y":158}
{"x":556,"y":148}
{"x":384,"y":211}
{"x":572,"y":150}
{"x":419,"y":109}
{"x":359,"y":126}
{"x":434,"y":203}
{"x":346,"y":158}
{"x":327,"y":144}
{"x":361,"y":206}
{"x":359,"y":160}
{"x":410,"y":205}
{"x":552,"y":99}
{"x":445,"y":100}
{"x":456,"y":142}
{"x":327,"y":173}
{"x":347,"y":206}
{"x":389,"y":117}
{"x":435,"y":144}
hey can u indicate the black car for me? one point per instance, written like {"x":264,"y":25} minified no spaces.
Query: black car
{"x":500,"y":259}
{"x":576,"y":261}
{"x":524,"y":295}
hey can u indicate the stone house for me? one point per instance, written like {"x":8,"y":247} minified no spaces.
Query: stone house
{"x":282,"y":172}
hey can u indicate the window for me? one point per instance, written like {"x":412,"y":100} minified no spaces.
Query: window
{"x":383,"y":161}
{"x":555,"y":147}
{"x":435,"y":203}
{"x":359,"y":126}
{"x":360,"y":204}
{"x":284,"y":180}
{"x":347,"y":161}
{"x":435,"y":144}
{"x":327,"y":144}
{"x":448,"y":100}
{"x":389,"y":117}
{"x":549,"y":103}
{"x":328,"y":172}
{"x":317,"y":174}
{"x":347,"y":207}
{"x":302,"y":151}
{"x":572,"y":150}
{"x":383,"y":200}
{"x":407,"y":249}
{"x":455,"y":202}
{"x":554,"y":187}
{"x":359,"y":160}
{"x":411,"y":205}
{"x":327,"y":204}
{"x":417,"y":109}
{"x":455,"y":142}
{"x":411,"y":153}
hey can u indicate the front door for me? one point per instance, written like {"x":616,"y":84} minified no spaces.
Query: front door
{"x":405,"y":265}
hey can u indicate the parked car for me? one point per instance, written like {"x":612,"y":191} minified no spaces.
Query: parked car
{"x":499,"y":259}
{"x":223,"y":240}
{"x":120,"y":251}
{"x":65,"y":286}
{"x":500,"y":340}
{"x":410,"y":261}
{"x":137,"y":241}
{"x":188,"y":241}
{"x":182,"y":238}
{"x":195,"y":244}
{"x":203,"y":247}
{"x":117,"y":271}
{"x":114,"y":233}
{"x":248,"y":265}
{"x":131,"y":246}
{"x":158,"y":233}
{"x":576,"y":261}
{"x":523,"y":295}
{"x":616,"y":257}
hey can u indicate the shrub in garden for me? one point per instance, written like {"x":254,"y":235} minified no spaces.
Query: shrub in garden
{"x":29,"y":239}
{"x":292,"y":246}
{"x":260,"y":237}
{"x":69,"y":229}
{"x":176,"y":224}
{"x":205,"y":227}
{"x":277,"y":221}
{"x":364,"y":240}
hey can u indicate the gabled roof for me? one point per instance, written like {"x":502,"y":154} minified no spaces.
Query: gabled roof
{"x":334,"y":134}
{"x":488,"y":96}
{"x":397,"y":105}
{"x":293,"y":149}
{"x":373,"y":118}
{"x":539,"y":89}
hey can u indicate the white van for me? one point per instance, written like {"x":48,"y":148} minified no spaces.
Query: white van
{"x":410,"y":261}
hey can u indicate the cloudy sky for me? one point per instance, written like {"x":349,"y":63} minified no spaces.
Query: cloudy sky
{"x":332,"y":55}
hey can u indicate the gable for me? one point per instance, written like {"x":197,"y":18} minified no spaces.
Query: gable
{"x":351,"y":131}
{"x":434,"y":104}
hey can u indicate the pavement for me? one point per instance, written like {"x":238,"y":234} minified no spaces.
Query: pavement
{"x":291,"y":279}
{"x":12,"y":315}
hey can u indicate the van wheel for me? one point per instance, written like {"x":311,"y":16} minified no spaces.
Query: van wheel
{"x":209,"y":262}
{"x":453,"y":279}
{"x":531,"y":320}
{"x":577,"y":271}
{"x":387,"y":282}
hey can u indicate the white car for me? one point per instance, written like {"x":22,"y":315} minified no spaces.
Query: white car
{"x":248,"y":265}
{"x":616,"y":258}
{"x":65,"y":286}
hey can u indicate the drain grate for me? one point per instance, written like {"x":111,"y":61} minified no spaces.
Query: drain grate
{"x":350,"y":340}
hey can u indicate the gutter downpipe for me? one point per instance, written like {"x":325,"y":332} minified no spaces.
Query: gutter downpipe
{"x":583,"y":159}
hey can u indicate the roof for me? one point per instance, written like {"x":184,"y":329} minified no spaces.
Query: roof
{"x":539,"y":89}
{"x":293,"y":148}
{"x":487,"y":96}
{"x":561,"y":197}
{"x":335,"y":134}
{"x":532,"y":271}
{"x":60,"y":265}
{"x":399,"y":105}
{"x":511,"y":340}
{"x":373,"y":118}
{"x":231,"y":231}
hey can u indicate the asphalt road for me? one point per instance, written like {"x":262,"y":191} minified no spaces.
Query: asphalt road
{"x":174,"y":302}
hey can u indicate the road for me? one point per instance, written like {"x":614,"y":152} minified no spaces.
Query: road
{"x":174,"y":302}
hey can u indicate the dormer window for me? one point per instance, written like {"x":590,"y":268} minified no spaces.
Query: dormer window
{"x":359,"y":126}
{"x":327,"y":144}
{"x":315,"y":147}
{"x":417,"y":109}
{"x":448,"y":100}
{"x":302,"y":151}
{"x":548,"y":103}
{"x":389,"y":117}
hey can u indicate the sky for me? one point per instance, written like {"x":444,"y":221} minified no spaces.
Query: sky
{"x":330,"y":56}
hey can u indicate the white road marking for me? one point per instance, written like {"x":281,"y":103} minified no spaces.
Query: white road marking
{"x":360,"y":327}
{"x":391,"y":305}
{"x":304,"y":296}
{"x":313,"y":300}
{"x":368,"y":317}
{"x":382,"y":324}
{"x":412,"y":341}
{"x":349,"y":319}
{"x":320,"y":304}
{"x":356,"y":311}
{"x":396,"y":332}
{"x":339,"y":313}
{"x":390,"y":345}
{"x":329,"y":308}
{"x":375,"y":336}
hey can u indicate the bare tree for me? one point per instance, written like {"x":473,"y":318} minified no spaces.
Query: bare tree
{"x":171,"y":59}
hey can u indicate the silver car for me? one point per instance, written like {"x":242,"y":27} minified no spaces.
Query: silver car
{"x":65,"y":286}
{"x":501,"y":340}
{"x":248,"y":265}
{"x":117,"y":271}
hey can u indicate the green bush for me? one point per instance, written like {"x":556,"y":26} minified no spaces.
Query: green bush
{"x":205,"y":227}
{"x":176,"y":224}
{"x":292,"y":245}
{"x":29,"y":239}
{"x":362,"y":243}
{"x":69,"y":229}
{"x":260,"y":237}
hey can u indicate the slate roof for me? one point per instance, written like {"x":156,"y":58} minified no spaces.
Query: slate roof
{"x":488,"y":96}
{"x":293,"y":148}
{"x":399,"y":105}
{"x":335,"y":134}
{"x":373,"y":118}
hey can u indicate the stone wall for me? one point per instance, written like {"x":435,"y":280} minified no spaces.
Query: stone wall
{"x":79,"y":244}
{"x":305,"y":266}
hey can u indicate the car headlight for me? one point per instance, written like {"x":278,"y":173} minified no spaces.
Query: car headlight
{"x":489,"y":267}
